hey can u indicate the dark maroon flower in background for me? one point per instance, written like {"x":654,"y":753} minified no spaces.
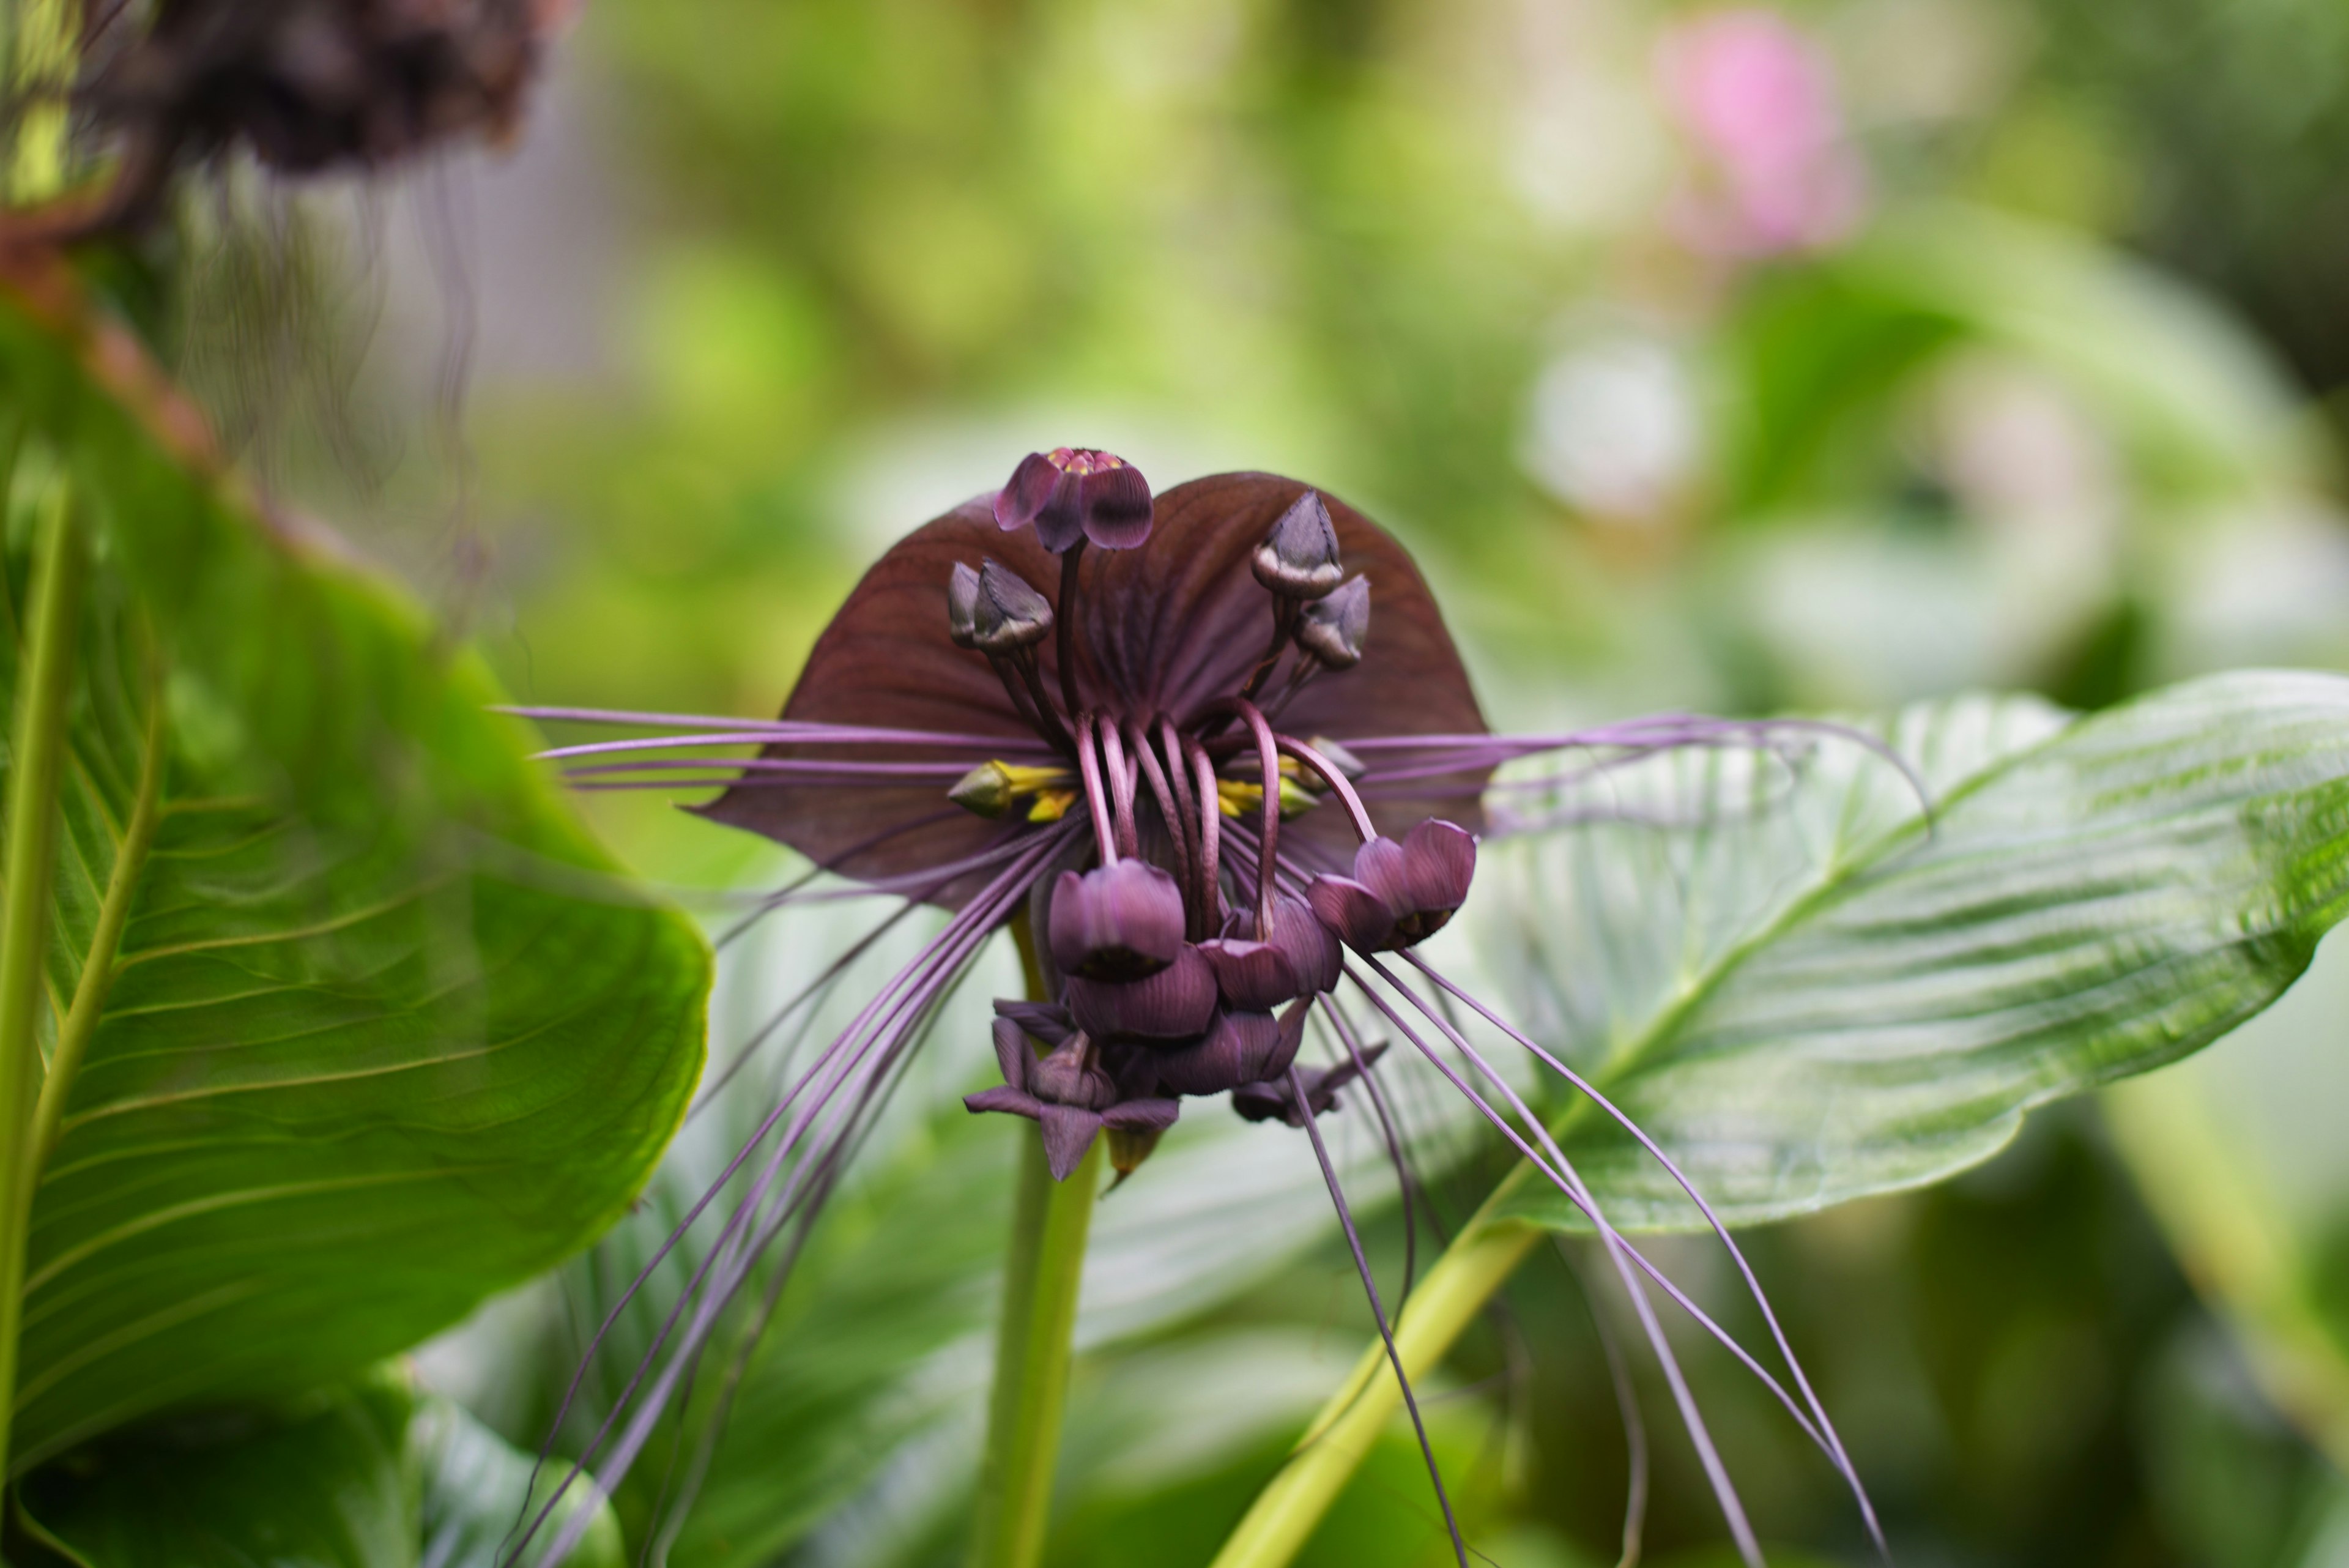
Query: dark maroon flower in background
{"x":1234,"y":744}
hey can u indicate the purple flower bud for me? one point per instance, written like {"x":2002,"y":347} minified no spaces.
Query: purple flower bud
{"x":1264,"y":1102}
{"x":1176,"y":1004}
{"x":1070,"y":1076}
{"x":1229,"y":1055}
{"x":1005,"y":614}
{"x":1071,"y":493}
{"x":962,"y":607}
{"x":1400,"y":893}
{"x":1116,"y":922}
{"x":1299,"y":560}
{"x":1251,"y":975}
{"x":1241,"y":1048}
{"x":1333,"y":629}
{"x":1312,"y":953}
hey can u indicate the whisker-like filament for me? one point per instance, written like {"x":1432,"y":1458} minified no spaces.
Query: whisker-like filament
{"x":1370,"y":1289}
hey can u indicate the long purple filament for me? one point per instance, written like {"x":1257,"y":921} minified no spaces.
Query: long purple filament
{"x":1371,"y":1289}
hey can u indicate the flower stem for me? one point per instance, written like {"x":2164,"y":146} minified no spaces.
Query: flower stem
{"x":1475,"y":1266}
{"x":42,"y":683}
{"x":1031,"y":1351}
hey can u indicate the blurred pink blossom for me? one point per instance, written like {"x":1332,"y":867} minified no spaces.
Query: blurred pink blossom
{"x":1757,"y":98}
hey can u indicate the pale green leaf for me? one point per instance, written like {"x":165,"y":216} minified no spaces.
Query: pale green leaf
{"x":1807,"y":997}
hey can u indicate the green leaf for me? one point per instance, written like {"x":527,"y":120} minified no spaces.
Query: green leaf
{"x":385,"y":1032}
{"x":476,"y":1488}
{"x":1808,"y":998}
{"x":327,"y":1485}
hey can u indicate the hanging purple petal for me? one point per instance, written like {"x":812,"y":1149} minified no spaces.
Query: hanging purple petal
{"x":1068,"y":1132}
{"x":1154,"y":1115}
{"x":1175,"y":1004}
{"x":1115,"y":505}
{"x":1049,"y":1022}
{"x":1003,"y":1097}
{"x":1013,"y":1053}
{"x":1230,"y":1054}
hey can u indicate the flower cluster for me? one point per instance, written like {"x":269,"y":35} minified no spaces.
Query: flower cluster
{"x":1173,"y":975}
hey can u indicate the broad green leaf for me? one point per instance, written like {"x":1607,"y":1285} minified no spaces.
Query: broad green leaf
{"x":476,"y":1489}
{"x":385,"y":1032}
{"x":330,"y":1484}
{"x":1807,"y":997}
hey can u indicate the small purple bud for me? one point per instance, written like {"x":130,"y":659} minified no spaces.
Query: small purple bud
{"x":1231,"y":1052}
{"x":1071,"y":1076}
{"x":1073,"y":492}
{"x":1176,"y":1004}
{"x":1333,"y":629}
{"x":1118,"y":923}
{"x":1264,"y":1102}
{"x":962,"y":607}
{"x":1006,"y":615}
{"x":1400,"y":893}
{"x":1299,"y":560}
{"x":1250,"y":974}
{"x":1312,"y":953}
{"x":1068,"y":1132}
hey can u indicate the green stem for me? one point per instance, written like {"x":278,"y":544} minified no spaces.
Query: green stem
{"x":1478,"y":1262}
{"x":42,"y":683}
{"x":1031,"y":1348}
{"x":98,"y":965}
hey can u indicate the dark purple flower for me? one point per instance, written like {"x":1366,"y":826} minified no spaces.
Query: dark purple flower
{"x":1074,"y":494}
{"x":1399,"y":894}
{"x":1116,"y":922}
{"x":1094,"y":763}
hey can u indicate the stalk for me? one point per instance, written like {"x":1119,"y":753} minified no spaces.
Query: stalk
{"x":42,"y":683}
{"x":97,"y":965}
{"x":1477,"y":1263}
{"x":1031,"y":1350}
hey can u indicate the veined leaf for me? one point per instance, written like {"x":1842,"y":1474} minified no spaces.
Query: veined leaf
{"x":385,"y":1031}
{"x":476,"y":1489}
{"x":1807,"y":997}
{"x":327,"y":1485}
{"x":369,"y":1477}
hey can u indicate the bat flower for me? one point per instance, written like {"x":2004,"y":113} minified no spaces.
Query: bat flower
{"x":1203,"y":745}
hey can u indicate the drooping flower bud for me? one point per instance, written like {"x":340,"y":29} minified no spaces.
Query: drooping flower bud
{"x":1115,"y":922}
{"x":1242,"y":1047}
{"x":1299,"y":560}
{"x":1333,"y":628}
{"x":1178,"y":1003}
{"x":1073,"y":494}
{"x":1005,"y":614}
{"x":1400,"y":893}
{"x":1298,"y":958}
{"x":1266,"y":1101}
{"x":1068,"y":1093}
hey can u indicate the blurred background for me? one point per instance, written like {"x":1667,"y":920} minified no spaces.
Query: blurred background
{"x":1820,"y":357}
